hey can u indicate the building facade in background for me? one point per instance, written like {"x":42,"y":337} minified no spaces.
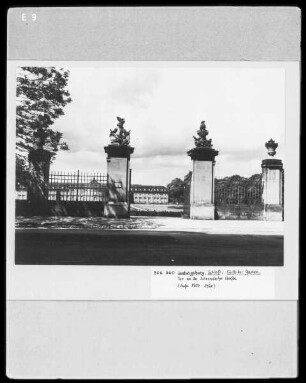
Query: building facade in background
{"x":148,"y":194}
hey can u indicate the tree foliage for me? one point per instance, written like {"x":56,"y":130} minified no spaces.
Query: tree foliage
{"x":22,"y":172}
{"x":228,"y":182}
{"x":41,"y":95}
{"x":41,"y":98}
{"x":176,"y":190}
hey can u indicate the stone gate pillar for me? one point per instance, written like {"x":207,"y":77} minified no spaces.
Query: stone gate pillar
{"x":39,"y":164}
{"x":202,"y":181}
{"x":272,"y":178}
{"x":118,"y":172}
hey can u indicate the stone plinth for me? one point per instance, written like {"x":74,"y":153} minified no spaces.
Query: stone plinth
{"x":118,"y":165}
{"x":272,"y":179}
{"x":202,"y":183}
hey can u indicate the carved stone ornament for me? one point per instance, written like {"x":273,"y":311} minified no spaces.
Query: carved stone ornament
{"x":203,"y":150}
{"x":119,"y":135}
{"x":271,"y":146}
{"x":201,"y":141}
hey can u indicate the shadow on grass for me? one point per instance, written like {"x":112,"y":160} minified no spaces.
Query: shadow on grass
{"x":146,"y":248}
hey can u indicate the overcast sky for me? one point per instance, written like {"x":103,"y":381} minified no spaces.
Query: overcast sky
{"x":163,"y":108}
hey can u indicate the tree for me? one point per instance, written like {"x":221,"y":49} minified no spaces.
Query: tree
{"x":22,"y":172}
{"x":41,"y":96}
{"x":176,"y":190}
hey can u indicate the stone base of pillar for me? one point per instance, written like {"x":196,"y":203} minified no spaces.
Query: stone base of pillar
{"x":273,"y":213}
{"x":116,"y":210}
{"x":202,"y":211}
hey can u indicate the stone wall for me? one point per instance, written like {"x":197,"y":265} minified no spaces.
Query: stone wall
{"x":231,"y":212}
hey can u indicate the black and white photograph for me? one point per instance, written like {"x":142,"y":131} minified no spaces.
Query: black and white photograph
{"x":150,"y":164}
{"x":153,"y":192}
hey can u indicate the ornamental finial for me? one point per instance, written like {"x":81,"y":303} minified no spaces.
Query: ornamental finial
{"x":201,"y":141}
{"x":119,"y":135}
{"x":271,"y":145}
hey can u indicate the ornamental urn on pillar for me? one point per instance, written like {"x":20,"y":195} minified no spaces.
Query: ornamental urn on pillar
{"x":272,"y":178}
{"x":118,"y":165}
{"x":202,"y":181}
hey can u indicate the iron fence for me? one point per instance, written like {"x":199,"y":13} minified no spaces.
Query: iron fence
{"x":76,"y":186}
{"x":239,"y":193}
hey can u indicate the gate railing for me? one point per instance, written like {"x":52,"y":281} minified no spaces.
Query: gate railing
{"x":239,"y":191}
{"x":76,"y":186}
{"x":233,"y":190}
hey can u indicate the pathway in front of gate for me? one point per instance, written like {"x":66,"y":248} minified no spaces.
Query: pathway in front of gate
{"x":243,"y":227}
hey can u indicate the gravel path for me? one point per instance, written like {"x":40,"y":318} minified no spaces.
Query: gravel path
{"x":153,"y":223}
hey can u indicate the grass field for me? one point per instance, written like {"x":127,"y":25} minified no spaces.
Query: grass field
{"x":169,"y":210}
{"x":156,"y":207}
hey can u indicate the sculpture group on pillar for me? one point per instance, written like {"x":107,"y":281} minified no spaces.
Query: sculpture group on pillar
{"x":201,"y":141}
{"x":118,"y":172}
{"x":202,"y":179}
{"x":119,"y":135}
